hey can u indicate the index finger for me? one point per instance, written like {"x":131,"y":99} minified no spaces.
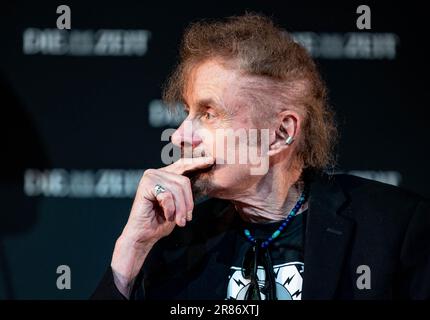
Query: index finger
{"x":188,"y":164}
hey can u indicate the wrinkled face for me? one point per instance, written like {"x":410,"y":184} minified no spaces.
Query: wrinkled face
{"x":219,"y":124}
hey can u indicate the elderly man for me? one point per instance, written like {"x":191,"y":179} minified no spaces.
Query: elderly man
{"x":289,"y":231}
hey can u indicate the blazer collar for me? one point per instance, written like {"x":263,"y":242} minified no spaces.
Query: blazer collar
{"x":328,"y":233}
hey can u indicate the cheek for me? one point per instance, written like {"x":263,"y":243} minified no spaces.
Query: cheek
{"x":230,"y":175}
{"x":232,"y":147}
{"x":226,"y":149}
{"x":230,"y":141}
{"x":207,"y":138}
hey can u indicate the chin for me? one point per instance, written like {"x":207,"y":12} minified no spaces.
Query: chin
{"x":216,"y":182}
{"x":202,"y":182}
{"x":210,"y":182}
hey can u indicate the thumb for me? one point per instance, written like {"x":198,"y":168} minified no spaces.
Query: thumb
{"x":184,"y":165}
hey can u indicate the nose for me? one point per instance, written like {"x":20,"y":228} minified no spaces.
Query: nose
{"x":186,"y":134}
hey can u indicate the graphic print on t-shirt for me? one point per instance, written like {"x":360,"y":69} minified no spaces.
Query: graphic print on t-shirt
{"x":289,"y":281}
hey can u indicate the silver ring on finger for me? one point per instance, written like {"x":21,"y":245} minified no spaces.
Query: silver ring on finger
{"x":159,"y":189}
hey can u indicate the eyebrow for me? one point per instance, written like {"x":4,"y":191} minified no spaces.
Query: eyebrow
{"x":200,"y":104}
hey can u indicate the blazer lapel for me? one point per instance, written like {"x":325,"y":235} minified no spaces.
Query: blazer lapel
{"x":328,"y":232}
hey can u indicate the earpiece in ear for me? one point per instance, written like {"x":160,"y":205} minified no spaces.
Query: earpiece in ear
{"x":289,"y":140}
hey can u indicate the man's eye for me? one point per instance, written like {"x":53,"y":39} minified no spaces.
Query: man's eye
{"x":208,"y":116}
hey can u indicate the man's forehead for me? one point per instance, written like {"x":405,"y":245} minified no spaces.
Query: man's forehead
{"x":211,"y":81}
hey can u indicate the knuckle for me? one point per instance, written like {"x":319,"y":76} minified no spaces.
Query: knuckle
{"x":168,"y":196}
{"x":186,"y":181}
{"x":170,"y":208}
{"x":176,"y":187}
{"x":168,"y":200}
{"x":167,"y":206}
{"x":165,"y":198}
{"x":148,"y":172}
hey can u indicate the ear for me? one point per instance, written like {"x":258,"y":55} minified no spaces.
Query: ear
{"x":287,"y":128}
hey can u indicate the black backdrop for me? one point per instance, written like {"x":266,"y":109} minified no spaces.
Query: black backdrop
{"x":81,"y":118}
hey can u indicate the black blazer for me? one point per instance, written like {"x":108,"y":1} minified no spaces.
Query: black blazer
{"x":351,"y":222}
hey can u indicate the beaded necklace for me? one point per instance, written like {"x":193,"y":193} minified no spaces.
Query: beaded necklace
{"x":293,"y":212}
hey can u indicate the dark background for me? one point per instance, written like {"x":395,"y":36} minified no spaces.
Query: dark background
{"x":88,"y":115}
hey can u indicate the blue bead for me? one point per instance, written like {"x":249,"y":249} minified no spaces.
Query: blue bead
{"x":276,"y":234}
